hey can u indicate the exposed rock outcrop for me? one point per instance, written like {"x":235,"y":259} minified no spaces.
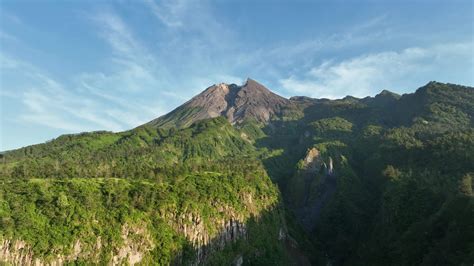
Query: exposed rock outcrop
{"x":136,"y":243}
{"x":311,"y":187}
{"x":18,"y":252}
{"x":205,"y":235}
{"x":312,"y":161}
{"x":330,"y":168}
{"x":205,"y":241}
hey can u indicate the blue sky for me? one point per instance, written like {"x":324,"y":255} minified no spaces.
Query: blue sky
{"x":74,"y":66}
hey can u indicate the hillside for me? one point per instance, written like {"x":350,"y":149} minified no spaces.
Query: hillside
{"x":240,"y":174}
{"x":142,"y":195}
{"x":400,"y":192}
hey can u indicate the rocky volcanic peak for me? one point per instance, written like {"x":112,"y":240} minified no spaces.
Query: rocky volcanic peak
{"x":215,"y":100}
{"x":236,"y":103}
{"x":255,"y":101}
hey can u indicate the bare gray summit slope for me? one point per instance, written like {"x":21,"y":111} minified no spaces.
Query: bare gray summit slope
{"x":236,"y":103}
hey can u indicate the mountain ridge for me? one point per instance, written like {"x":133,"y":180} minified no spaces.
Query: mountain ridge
{"x":192,"y":111}
{"x":254,"y":101}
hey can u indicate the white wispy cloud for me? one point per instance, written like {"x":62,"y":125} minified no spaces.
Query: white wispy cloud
{"x":168,"y":12}
{"x":52,"y":121}
{"x":370,"y":30}
{"x":125,"y":45}
{"x":368,"y":74}
{"x":192,"y":25}
{"x":131,"y":66}
{"x":11,"y":17}
{"x":134,"y":68}
{"x":276,"y":62}
{"x":96,"y":100}
{"x":7,"y":37}
{"x":59,"y":109}
{"x":47,"y":102}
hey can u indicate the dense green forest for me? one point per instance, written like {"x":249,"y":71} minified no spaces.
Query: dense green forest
{"x":88,"y":186}
{"x":384,"y":180}
{"x":403,"y":177}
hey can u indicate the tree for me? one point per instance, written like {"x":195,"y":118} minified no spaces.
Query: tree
{"x":465,"y":185}
{"x":392,"y":173}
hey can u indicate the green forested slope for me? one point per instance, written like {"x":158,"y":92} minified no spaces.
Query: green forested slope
{"x":399,"y":191}
{"x":403,"y":171}
{"x":93,"y":186}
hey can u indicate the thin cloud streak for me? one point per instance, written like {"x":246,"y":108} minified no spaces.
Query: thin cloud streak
{"x":133,"y":67}
{"x":168,"y":12}
{"x":48,"y":103}
{"x":282,"y":59}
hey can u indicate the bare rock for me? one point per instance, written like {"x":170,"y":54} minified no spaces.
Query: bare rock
{"x":236,"y":103}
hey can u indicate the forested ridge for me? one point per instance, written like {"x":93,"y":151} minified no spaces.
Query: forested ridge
{"x":384,"y":180}
{"x":87,"y":186}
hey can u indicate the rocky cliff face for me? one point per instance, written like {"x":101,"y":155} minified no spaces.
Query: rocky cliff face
{"x":236,"y":103}
{"x":311,"y":187}
{"x":312,"y":161}
{"x":136,"y":243}
{"x":204,"y":241}
{"x":19,"y":253}
{"x":205,"y":237}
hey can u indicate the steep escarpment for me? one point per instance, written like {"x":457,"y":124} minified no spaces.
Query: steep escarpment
{"x":136,"y":244}
{"x":312,"y":186}
{"x":119,"y":221}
